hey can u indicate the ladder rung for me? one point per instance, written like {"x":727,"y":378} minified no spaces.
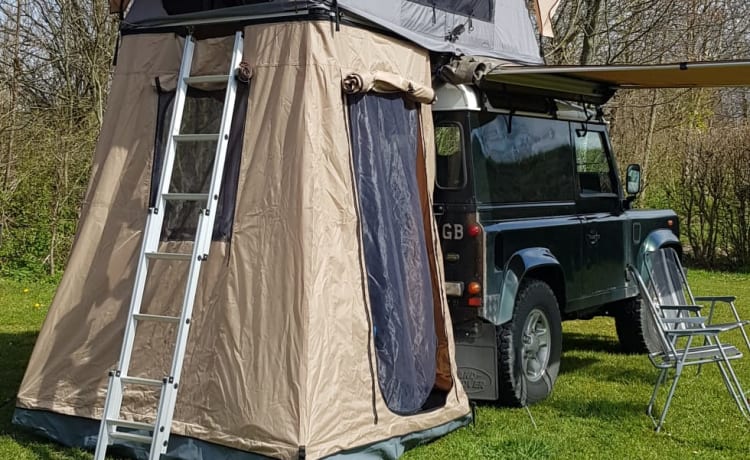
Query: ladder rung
{"x":207,"y":79}
{"x":163,"y":319}
{"x":169,"y":256}
{"x":186,"y":196}
{"x":141,"y":381}
{"x":130,"y":424}
{"x":213,"y":137}
{"x":131,"y":437}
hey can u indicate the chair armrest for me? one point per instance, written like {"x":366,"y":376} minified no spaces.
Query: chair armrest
{"x":691,"y":320}
{"x":710,"y":298}
{"x":712,"y":330}
{"x":726,"y":326}
{"x":692,"y":308}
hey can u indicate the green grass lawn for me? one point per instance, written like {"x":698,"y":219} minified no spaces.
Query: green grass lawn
{"x":597,"y":409}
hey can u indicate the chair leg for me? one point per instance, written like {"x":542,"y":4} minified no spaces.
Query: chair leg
{"x":742,"y":326}
{"x":677,"y":374}
{"x":660,"y":379}
{"x":733,"y":385}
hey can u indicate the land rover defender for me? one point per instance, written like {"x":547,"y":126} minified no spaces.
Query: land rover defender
{"x":535,"y":229}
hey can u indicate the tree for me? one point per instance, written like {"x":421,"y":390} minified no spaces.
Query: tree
{"x":57,"y":60}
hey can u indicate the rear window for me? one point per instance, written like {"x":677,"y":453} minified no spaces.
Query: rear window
{"x":449,"y":147}
{"x":522,"y":159}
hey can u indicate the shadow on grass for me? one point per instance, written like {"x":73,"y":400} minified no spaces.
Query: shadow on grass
{"x":52,"y":452}
{"x":601,"y":409}
{"x":570,"y":363}
{"x":605,"y":371}
{"x":573,"y":362}
{"x":15,"y":351}
{"x":590,"y":342}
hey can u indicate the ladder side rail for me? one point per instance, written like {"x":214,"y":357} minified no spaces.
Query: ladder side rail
{"x":201,"y":247}
{"x":175,"y":127}
{"x":113,"y":399}
{"x":152,"y":231}
{"x":155,"y":218}
{"x":114,"y":393}
{"x":221,"y":146}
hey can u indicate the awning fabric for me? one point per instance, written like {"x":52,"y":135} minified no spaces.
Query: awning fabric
{"x":596,"y":84}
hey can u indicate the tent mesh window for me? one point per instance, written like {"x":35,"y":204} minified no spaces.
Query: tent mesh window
{"x":384,"y":137}
{"x":477,"y":9}
{"x":194,"y":161}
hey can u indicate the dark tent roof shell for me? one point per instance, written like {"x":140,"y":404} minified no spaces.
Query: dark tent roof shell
{"x":499,"y":29}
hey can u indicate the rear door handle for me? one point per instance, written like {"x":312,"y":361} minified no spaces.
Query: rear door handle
{"x":593,"y":237}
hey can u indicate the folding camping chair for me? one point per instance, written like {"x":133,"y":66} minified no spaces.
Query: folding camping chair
{"x":677,"y":326}
{"x":668,"y":285}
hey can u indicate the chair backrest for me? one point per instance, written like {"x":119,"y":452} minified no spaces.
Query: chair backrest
{"x":666,"y":278}
{"x":655,"y":317}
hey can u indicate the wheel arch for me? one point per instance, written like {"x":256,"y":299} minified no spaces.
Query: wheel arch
{"x":657,"y":239}
{"x":537,"y":263}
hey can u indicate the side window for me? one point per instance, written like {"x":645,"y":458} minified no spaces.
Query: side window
{"x":592,"y":165}
{"x":194,"y":161}
{"x":449,"y":147}
{"x":521,"y":159}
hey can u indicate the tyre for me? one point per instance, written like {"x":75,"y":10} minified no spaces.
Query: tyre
{"x":635,"y":333}
{"x":529,"y":346}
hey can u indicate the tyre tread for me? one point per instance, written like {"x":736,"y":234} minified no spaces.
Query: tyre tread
{"x":507,"y":386}
{"x":629,"y":327}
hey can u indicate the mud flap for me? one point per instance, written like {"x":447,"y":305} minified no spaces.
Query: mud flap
{"x":476,"y":356}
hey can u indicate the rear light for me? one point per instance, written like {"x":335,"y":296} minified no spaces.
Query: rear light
{"x":475,"y":301}
{"x":474,"y":288}
{"x":474,"y":230}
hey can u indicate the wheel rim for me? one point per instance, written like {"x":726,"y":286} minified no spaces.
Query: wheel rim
{"x":535,"y":348}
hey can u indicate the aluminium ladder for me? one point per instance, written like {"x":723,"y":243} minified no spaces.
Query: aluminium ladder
{"x":120,"y":379}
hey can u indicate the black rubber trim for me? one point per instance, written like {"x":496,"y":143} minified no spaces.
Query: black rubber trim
{"x":226,"y":28}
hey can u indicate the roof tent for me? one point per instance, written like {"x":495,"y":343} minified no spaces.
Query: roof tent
{"x":499,"y":29}
{"x":320,"y":325}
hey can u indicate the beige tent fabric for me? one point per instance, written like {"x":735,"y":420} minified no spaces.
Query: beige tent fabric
{"x":545,"y":11}
{"x":118,"y":6}
{"x":278,"y":355}
{"x":385,"y":82}
{"x":210,"y":58}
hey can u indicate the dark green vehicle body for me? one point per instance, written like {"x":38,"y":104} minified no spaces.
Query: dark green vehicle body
{"x":535,"y":195}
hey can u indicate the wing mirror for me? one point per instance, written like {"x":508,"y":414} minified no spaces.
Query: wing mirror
{"x":633,"y":180}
